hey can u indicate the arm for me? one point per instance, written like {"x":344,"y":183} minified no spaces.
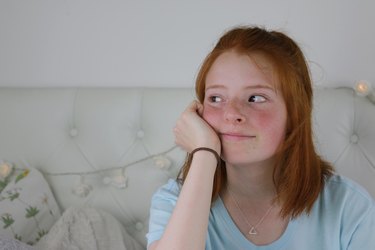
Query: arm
{"x":187,"y":227}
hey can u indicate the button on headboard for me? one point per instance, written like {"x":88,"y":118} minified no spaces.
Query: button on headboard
{"x":344,"y":125}
{"x":113,"y":147}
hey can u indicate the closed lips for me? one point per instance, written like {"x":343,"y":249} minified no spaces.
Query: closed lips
{"x":235,"y":136}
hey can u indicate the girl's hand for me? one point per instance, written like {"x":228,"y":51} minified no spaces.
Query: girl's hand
{"x":192,"y":131}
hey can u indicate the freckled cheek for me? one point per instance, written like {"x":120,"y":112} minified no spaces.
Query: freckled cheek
{"x":273,"y":124}
{"x":211,"y":116}
{"x":263,"y":120}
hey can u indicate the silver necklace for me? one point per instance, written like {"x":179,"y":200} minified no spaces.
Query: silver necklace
{"x":253,"y":228}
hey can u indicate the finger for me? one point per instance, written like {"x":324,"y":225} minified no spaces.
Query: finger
{"x":200,"y":109}
{"x":194,"y":105}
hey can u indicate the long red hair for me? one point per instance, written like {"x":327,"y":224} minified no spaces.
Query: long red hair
{"x":300,"y":173}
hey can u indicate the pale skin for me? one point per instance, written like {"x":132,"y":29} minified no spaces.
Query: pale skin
{"x":243,"y":118}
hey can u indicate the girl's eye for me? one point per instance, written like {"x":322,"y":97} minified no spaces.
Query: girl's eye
{"x":257,"y":98}
{"x":215,"y":98}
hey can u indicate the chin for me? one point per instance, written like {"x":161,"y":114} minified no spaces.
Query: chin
{"x":234,"y":159}
{"x":249,"y":158}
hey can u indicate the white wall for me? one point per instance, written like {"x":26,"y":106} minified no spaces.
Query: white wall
{"x":153,"y":43}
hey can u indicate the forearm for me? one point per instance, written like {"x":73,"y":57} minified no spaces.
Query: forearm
{"x":187,"y":227}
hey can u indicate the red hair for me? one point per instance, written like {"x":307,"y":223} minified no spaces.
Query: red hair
{"x":300,"y":173}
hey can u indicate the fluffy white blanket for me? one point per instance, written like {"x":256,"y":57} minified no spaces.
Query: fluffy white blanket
{"x":87,"y":229}
{"x":13,"y":244}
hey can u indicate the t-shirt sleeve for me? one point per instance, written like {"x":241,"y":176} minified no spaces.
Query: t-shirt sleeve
{"x":364,"y":235}
{"x":162,"y":205}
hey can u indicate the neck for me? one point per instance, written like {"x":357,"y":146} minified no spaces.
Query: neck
{"x":253,"y":183}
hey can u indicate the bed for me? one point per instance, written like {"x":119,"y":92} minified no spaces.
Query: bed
{"x":87,"y":160}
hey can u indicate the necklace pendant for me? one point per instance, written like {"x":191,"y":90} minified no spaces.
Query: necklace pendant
{"x":253,"y":231}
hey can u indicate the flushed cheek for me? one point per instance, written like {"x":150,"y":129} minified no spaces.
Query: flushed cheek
{"x":265,"y":119}
{"x":273,"y":126}
{"x":211,"y":116}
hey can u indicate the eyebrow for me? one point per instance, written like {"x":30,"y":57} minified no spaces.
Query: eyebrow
{"x":258,"y":86}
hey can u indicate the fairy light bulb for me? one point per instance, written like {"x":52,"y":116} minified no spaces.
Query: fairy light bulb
{"x":5,"y":170}
{"x":364,"y":88}
{"x":119,"y":181}
{"x":82,"y":189}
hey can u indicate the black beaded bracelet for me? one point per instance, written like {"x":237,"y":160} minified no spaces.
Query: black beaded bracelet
{"x":217,"y":156}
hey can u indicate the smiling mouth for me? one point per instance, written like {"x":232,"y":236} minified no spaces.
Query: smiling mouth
{"x":236,"y":137}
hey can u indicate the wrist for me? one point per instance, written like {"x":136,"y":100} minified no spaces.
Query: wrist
{"x":208,"y":150}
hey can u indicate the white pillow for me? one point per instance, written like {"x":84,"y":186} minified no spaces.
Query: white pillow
{"x":28,"y":208}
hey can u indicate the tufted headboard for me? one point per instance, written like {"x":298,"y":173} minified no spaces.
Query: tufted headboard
{"x":111,"y":148}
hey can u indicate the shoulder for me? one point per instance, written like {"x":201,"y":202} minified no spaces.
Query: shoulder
{"x":353,"y":208}
{"x":346,"y":189}
{"x":346,"y":197}
{"x":168,"y":192}
{"x":162,"y":204}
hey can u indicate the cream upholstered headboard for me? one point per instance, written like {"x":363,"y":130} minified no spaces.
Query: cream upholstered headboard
{"x":344,"y":126}
{"x":71,"y":130}
{"x":111,"y":148}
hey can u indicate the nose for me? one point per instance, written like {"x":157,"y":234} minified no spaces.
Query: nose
{"x":233,"y":113}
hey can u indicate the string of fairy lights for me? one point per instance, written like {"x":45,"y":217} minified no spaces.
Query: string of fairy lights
{"x":82,"y":189}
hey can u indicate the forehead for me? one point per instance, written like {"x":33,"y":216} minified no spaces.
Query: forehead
{"x":234,"y":67}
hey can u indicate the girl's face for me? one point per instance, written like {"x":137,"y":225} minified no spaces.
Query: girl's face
{"x":244,"y":107}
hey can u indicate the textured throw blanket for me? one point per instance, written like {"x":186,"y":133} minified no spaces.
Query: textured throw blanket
{"x":13,"y":244}
{"x":87,"y":229}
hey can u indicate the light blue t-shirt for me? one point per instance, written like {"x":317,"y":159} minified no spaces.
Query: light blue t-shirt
{"x":343,"y":217}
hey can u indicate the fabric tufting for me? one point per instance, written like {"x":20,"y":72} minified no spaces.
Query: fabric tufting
{"x":73,"y":134}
